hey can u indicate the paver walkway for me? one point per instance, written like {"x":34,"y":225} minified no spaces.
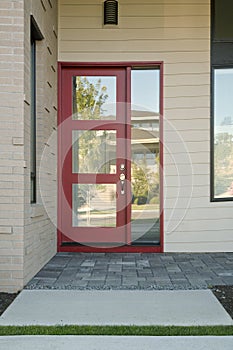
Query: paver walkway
{"x":135,"y":271}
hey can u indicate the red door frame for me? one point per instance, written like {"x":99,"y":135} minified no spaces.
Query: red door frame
{"x":128,"y":66}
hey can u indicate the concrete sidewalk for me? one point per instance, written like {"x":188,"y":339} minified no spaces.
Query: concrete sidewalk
{"x":115,"y":343}
{"x":59,"y":307}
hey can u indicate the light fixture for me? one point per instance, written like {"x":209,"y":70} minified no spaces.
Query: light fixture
{"x":111,"y":12}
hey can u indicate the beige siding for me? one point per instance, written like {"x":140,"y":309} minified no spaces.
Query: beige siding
{"x":177,"y":33}
{"x":163,"y":26}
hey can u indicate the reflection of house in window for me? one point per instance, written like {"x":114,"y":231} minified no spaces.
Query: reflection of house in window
{"x":145,"y":175}
{"x":145,"y":138}
{"x":227,"y":121}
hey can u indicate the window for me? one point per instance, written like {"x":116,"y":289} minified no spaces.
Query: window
{"x":223,"y":29}
{"x":35,"y":35}
{"x":222,"y":108}
{"x":223,"y":133}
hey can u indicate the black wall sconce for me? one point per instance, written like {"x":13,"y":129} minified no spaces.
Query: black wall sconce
{"x":111,"y":12}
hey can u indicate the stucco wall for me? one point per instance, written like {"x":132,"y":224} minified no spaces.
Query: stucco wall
{"x":177,"y":33}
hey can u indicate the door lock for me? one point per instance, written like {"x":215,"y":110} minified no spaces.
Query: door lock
{"x":122,"y":179}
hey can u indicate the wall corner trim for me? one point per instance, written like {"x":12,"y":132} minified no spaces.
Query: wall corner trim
{"x":36,"y":210}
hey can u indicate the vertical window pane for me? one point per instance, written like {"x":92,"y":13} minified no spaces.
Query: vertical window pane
{"x":223,"y":133}
{"x":94,"y":98}
{"x":145,"y":156}
{"x":223,"y":29}
{"x":35,"y":35}
{"x":94,"y":151}
{"x":94,"y":205}
{"x":33,"y":121}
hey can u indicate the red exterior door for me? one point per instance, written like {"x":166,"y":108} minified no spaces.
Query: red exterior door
{"x":93,"y":159}
{"x":109,"y":159}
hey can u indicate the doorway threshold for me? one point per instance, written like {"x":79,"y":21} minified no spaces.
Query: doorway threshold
{"x":109,"y":248}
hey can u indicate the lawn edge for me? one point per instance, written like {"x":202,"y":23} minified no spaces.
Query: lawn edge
{"x":118,"y":330}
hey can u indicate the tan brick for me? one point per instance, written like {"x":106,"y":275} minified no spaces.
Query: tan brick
{"x":12,"y":289}
{"x":18,"y":141}
{"x":5,"y":274}
{"x":8,"y":252}
{"x":11,"y":12}
{"x":12,"y":283}
{"x":6,"y":5}
{"x":5,"y":230}
{"x":17,"y":274}
{"x":31,"y":235}
{"x":11,"y":238}
{"x":6,"y":261}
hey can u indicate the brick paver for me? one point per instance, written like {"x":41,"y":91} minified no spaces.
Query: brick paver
{"x":135,"y":271}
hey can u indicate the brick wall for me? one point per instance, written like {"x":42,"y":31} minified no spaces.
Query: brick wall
{"x":11,"y":145}
{"x":40,"y":232}
{"x":27,"y":234}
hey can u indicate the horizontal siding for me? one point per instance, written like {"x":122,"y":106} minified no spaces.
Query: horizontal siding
{"x":177,"y":33}
{"x":130,"y":2}
{"x":187,"y":102}
{"x":136,"y":22}
{"x":184,"y":169}
{"x":124,"y":45}
{"x":186,"y":91}
{"x":182,"y":191}
{"x":159,"y":56}
{"x":179,"y":179}
{"x":200,"y":246}
{"x":187,"y":136}
{"x":203,"y":214}
{"x":136,"y":10}
{"x":197,"y":225}
{"x":184,"y":158}
{"x":132,"y":34}
{"x":190,"y":79}
{"x":164,"y":9}
{"x":185,"y":125}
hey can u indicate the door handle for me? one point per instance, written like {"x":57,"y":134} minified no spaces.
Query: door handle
{"x":122,"y":179}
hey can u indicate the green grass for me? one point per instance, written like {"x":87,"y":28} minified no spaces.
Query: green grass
{"x":117,"y":330}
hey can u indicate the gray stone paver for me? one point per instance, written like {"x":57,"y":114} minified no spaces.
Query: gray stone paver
{"x":135,"y":271}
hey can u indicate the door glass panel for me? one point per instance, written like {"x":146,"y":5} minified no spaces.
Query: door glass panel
{"x":94,"y":205}
{"x":145,"y":156}
{"x":94,"y":151}
{"x":94,"y":98}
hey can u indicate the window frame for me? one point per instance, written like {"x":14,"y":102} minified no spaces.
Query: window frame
{"x":221,"y":58}
{"x":33,"y":123}
{"x":35,"y":35}
{"x":213,"y":26}
{"x":212,"y":134}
